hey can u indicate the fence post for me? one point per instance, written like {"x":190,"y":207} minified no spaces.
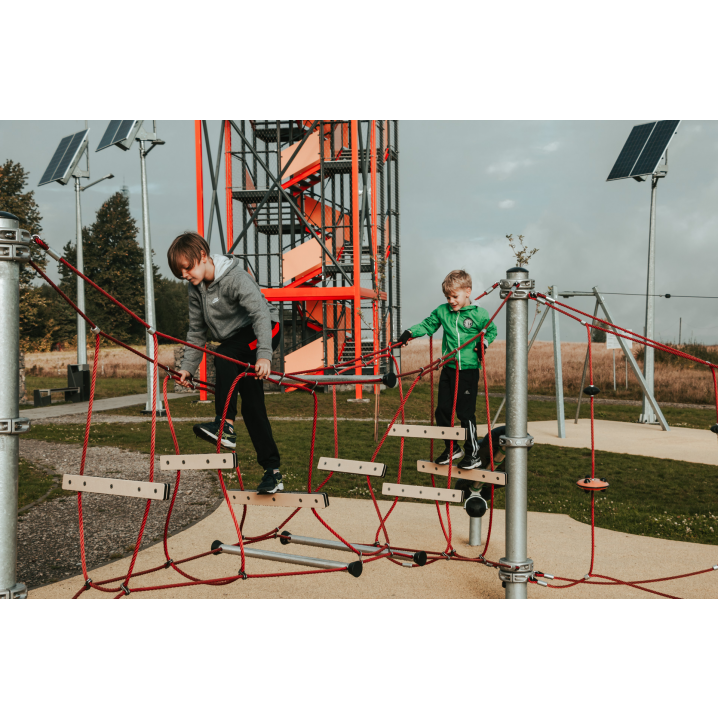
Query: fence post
{"x":517,"y":568}
{"x":14,"y":248}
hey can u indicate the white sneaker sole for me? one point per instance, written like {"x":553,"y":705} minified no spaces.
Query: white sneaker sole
{"x":278,"y":487}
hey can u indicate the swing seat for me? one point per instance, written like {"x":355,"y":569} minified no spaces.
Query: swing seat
{"x":588,"y":484}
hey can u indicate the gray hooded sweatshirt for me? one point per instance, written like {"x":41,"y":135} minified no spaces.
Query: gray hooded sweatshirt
{"x":231,"y":302}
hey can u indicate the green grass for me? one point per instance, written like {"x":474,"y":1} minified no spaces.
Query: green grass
{"x":647,"y":496}
{"x":34,"y":483}
{"x":104,"y":388}
{"x":300,"y":404}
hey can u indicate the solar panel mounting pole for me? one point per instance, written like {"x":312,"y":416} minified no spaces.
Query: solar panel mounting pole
{"x":143,"y":136}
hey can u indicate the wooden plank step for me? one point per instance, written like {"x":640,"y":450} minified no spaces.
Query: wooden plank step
{"x":292,"y":499}
{"x":117,"y":487}
{"x":347,"y":466}
{"x":415,"y":431}
{"x":422,"y":492}
{"x":488,"y":477}
{"x":180,"y":462}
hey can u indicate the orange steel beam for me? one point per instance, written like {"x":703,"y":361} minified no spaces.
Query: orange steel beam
{"x":375,"y":303}
{"x":356,"y":243}
{"x":228,"y":183}
{"x":200,"y":226}
{"x":324,"y":294}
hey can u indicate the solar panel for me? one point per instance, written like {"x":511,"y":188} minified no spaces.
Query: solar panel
{"x":65,"y":159}
{"x":120,"y":133}
{"x":643,"y":149}
{"x":655,"y":147}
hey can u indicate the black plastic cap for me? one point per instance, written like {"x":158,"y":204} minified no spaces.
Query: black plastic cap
{"x":283,"y":538}
{"x":591,"y":390}
{"x":476,"y":507}
{"x":9,"y":215}
{"x":714,"y":428}
{"x":216,"y":545}
{"x":517,"y":269}
{"x":355,"y":568}
{"x":389,"y":380}
{"x":420,"y":558}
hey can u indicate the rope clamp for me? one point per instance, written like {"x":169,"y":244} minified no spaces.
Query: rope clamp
{"x":168,"y":563}
{"x":516,"y":290}
{"x":516,"y":442}
{"x":95,"y":329}
{"x":151,"y":330}
{"x":87,"y":584}
{"x":14,"y":426}
{"x":125,"y":589}
{"x":243,"y":575}
{"x":516,"y":571}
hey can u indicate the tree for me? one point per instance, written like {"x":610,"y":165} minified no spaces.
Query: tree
{"x":114,"y":261}
{"x":34,"y":302}
{"x":171,"y":307}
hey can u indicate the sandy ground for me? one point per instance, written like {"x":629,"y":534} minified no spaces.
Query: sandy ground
{"x":557,"y":544}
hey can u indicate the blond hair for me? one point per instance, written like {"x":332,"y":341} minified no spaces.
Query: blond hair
{"x":458,"y":279}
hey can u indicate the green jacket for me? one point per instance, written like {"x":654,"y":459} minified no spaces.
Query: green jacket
{"x":459,"y":327}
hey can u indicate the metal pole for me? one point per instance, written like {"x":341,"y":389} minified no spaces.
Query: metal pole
{"x":558,"y":369}
{"x":613,"y":351}
{"x":475,"y":531}
{"x":149,"y":289}
{"x":516,"y":440}
{"x":80,"y":263}
{"x":10,"y":426}
{"x":648,"y":416}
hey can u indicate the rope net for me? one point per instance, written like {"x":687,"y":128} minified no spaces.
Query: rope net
{"x":120,"y":586}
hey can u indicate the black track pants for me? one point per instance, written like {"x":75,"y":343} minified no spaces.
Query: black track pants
{"x":254,"y":411}
{"x":465,"y":404}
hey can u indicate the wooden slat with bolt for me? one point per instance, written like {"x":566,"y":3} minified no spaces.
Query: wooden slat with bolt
{"x":488,"y":477}
{"x":429,"y":493}
{"x":284,"y":498}
{"x":416,"y":431}
{"x":117,"y":487}
{"x":347,"y":466}
{"x":180,"y":462}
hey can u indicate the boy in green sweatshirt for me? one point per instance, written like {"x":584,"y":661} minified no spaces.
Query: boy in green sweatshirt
{"x":461,"y":320}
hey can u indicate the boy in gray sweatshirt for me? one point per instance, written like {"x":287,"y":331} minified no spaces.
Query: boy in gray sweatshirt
{"x":225,"y":298}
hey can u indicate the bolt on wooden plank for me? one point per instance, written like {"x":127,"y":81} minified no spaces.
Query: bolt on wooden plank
{"x":117,"y":487}
{"x":429,"y":493}
{"x":428,"y":432}
{"x":346,"y":466}
{"x":180,"y":462}
{"x":284,"y":498}
{"x":488,"y":477}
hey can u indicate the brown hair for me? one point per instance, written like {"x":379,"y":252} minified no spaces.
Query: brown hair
{"x":188,"y":247}
{"x":458,"y":279}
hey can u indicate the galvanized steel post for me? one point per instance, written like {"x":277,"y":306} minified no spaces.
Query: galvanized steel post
{"x":648,"y":416}
{"x":14,"y":248}
{"x":80,"y":264}
{"x":517,"y":568}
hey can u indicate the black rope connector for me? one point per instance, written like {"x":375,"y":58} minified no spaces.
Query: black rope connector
{"x":591,"y":390}
{"x":125,"y":589}
{"x":714,"y":428}
{"x":88,"y":584}
{"x":243,"y":575}
{"x":169,"y":563}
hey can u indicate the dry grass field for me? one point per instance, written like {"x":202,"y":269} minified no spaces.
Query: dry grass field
{"x":673,"y":382}
{"x":115,"y":362}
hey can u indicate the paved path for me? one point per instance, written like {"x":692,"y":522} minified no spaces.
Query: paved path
{"x":116,"y":402}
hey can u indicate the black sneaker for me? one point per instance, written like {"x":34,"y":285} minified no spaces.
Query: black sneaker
{"x":271,"y":482}
{"x":444,"y":459}
{"x":469,"y":462}
{"x":210,"y":432}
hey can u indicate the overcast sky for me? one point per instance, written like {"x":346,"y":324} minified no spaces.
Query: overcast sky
{"x":464,"y":186}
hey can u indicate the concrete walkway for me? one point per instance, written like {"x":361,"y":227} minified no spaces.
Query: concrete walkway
{"x":116,"y":402}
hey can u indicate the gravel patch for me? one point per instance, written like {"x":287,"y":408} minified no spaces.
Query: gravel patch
{"x":48,"y":534}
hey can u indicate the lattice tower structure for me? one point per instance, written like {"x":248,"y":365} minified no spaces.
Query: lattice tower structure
{"x":326,"y":248}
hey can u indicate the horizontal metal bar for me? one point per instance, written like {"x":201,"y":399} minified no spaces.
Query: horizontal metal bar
{"x":180,"y":462}
{"x":419,"y":557}
{"x":331,"y":378}
{"x":488,"y":477}
{"x":347,"y":466}
{"x":428,"y":432}
{"x":250,"y":552}
{"x":281,"y":498}
{"x":117,"y":487}
{"x":422,"y":492}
